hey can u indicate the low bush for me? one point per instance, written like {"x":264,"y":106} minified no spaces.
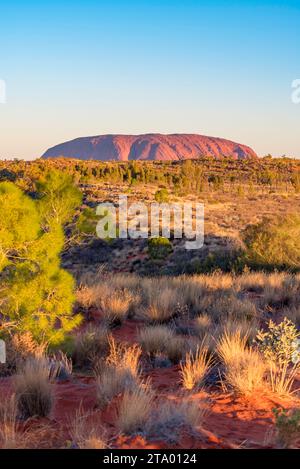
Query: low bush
{"x":161,"y":196}
{"x":170,"y":417}
{"x":281,"y":348}
{"x":274,"y":244}
{"x":89,"y":345}
{"x":287,"y":424}
{"x":34,"y":394}
{"x":159,"y":248}
{"x":161,"y":339}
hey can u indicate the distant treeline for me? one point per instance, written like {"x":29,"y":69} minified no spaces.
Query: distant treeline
{"x":182,"y":176}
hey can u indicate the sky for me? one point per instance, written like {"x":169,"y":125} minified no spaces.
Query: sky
{"x":82,"y":68}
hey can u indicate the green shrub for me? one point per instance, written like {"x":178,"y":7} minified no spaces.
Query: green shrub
{"x":85,"y":225}
{"x":159,"y":248}
{"x":161,"y":196}
{"x":274,"y":244}
{"x":221,"y":260}
{"x":280,"y":343}
{"x":287,"y":426}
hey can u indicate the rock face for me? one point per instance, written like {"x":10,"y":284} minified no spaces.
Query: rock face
{"x":149,"y":147}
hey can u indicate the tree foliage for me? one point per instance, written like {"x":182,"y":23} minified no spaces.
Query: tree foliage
{"x":36,"y":294}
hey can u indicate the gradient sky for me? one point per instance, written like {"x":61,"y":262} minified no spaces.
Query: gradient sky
{"x":210,"y":67}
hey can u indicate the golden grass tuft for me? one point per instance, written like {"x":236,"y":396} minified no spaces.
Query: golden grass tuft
{"x":162,"y":305}
{"x":245,"y":369}
{"x":116,"y":306}
{"x":195,"y":368}
{"x":124,"y":356}
{"x":154,"y":339}
{"x":160,"y":339}
{"x":19,"y":348}
{"x":282,"y":377}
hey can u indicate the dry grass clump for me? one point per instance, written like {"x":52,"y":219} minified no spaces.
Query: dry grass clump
{"x":19,"y":348}
{"x":195,"y":368}
{"x":224,"y":306}
{"x":153,"y":339}
{"x":116,"y":307}
{"x":161,"y":339}
{"x":119,"y":372}
{"x":13,"y":436}
{"x":245,"y":368}
{"x":211,"y":334}
{"x":162,"y":305}
{"x":190,"y":292}
{"x":203,"y":324}
{"x":111,"y":297}
{"x":135,"y":408}
{"x":130,"y":283}
{"x":247,"y":329}
{"x":280,"y":290}
{"x":176,"y":349}
{"x":167,"y":421}
{"x":90,"y":344}
{"x":125,"y":281}
{"x":9,"y":438}
{"x":123,"y":356}
{"x":85,"y":297}
{"x":251,"y":282}
{"x":85,"y":433}
{"x":281,"y":378}
{"x":33,"y":389}
{"x":292,"y":313}
{"x":218,"y":281}
{"x":111,"y":382}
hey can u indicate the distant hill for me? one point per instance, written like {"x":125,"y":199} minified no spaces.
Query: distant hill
{"x":149,"y":147}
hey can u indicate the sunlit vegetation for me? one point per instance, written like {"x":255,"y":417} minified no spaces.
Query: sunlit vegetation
{"x":37,"y":295}
{"x":155,"y":359}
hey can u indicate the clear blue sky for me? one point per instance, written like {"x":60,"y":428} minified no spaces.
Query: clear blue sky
{"x":86,"y":68}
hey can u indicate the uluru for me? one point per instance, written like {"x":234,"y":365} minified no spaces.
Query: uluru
{"x":171,"y":147}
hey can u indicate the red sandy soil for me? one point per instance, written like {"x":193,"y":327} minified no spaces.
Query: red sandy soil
{"x":231,"y":422}
{"x":149,"y":147}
